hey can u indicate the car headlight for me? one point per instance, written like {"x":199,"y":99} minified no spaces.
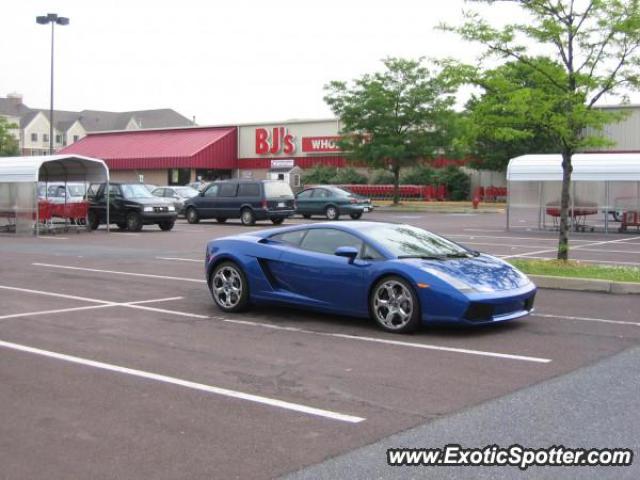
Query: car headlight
{"x":148,"y":209}
{"x":456,"y":283}
{"x":172,"y":208}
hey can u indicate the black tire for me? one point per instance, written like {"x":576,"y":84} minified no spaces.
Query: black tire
{"x":414,"y":320}
{"x":306,"y":215}
{"x":122,"y":225}
{"x":356,"y":216}
{"x":277,"y":221}
{"x":221,"y":219}
{"x":94,"y":221}
{"x":166,"y":225}
{"x":192,"y":215}
{"x":134,"y":222}
{"x":332,"y":212}
{"x":247,"y":217}
{"x":617,"y":216}
{"x":242,"y":299}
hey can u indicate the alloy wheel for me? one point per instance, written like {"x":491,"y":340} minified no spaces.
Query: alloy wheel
{"x":393,"y":305}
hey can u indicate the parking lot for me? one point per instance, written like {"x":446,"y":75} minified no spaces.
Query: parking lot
{"x":114,"y":362}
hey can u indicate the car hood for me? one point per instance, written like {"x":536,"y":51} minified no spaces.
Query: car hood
{"x":483,"y":272}
{"x":151,"y":201}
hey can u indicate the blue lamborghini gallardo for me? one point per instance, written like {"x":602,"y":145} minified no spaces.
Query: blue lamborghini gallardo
{"x":399,"y":275}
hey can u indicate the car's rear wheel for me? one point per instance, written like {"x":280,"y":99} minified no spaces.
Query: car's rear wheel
{"x":332,"y":212}
{"x":229,"y":287}
{"x":221,"y":219}
{"x":94,"y":221}
{"x":247,"y":217}
{"x":356,"y":216}
{"x":166,"y":225}
{"x":394,"y":305}
{"x":134,"y":222}
{"x":192,"y":215}
{"x":277,"y":221}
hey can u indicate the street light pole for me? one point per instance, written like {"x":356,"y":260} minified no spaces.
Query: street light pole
{"x":53,"y":19}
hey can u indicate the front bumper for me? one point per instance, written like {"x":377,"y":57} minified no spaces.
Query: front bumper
{"x":150,"y":218}
{"x":483,"y":308}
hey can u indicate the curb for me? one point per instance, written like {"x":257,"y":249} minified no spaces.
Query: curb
{"x":585,"y":285}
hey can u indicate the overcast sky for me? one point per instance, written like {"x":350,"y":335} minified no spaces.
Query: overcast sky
{"x":222,"y":62}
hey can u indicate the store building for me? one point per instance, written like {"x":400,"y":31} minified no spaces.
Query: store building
{"x":175,"y":156}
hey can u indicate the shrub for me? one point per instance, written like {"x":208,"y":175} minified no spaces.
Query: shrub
{"x":319,"y":175}
{"x":348,"y":176}
{"x":381,"y":177}
{"x":457,"y":182}
{"x":420,"y":175}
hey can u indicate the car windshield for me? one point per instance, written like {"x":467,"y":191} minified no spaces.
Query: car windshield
{"x":277,"y":190}
{"x":186,"y":192}
{"x":405,"y":241}
{"x":136,"y":190}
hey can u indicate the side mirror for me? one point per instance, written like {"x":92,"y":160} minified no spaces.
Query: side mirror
{"x":348,"y":252}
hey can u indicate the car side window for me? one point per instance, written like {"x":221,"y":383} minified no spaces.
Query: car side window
{"x":370,"y":253}
{"x":305,"y":194}
{"x":158,"y":192}
{"x":228,"y":189}
{"x":168,"y":192}
{"x":248,"y":190}
{"x":327,"y":240}
{"x":292,"y":238}
{"x":212,"y":191}
{"x":321,"y":193}
{"x":114,"y":191}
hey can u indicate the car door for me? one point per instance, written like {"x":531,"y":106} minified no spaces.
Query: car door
{"x":319,"y":200}
{"x":117,"y":211}
{"x":314,"y":271}
{"x":303,"y":201}
{"x":206,"y":203}
{"x":227,"y":202}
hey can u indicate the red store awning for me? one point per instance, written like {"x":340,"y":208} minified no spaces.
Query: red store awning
{"x":193,"y":147}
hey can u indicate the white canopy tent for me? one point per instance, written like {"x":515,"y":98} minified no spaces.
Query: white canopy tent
{"x":602,"y":183}
{"x":20,"y":206}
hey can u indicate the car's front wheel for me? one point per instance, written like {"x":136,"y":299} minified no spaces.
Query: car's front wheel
{"x":247,"y":217}
{"x":166,"y":225}
{"x":277,"y":221}
{"x":332,"y":213}
{"x":192,"y":215}
{"x":134,"y":222}
{"x":356,"y":216}
{"x":229,"y":287}
{"x":394,"y":305}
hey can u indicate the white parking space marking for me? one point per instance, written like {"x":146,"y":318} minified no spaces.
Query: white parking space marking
{"x":47,"y":237}
{"x":593,"y":244}
{"x":176,"y":259}
{"x":584,"y":260}
{"x":115,"y":272}
{"x":542,"y":239}
{"x":273,"y":402}
{"x":88,"y":307}
{"x":585,"y":319}
{"x":515,"y":245}
{"x":400,"y":343}
{"x":137,"y":305}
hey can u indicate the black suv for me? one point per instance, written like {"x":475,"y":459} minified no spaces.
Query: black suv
{"x":244,"y":199}
{"x":131,"y":205}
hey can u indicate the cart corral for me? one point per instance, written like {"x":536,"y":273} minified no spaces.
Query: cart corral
{"x":605,"y":192}
{"x":46,"y":193}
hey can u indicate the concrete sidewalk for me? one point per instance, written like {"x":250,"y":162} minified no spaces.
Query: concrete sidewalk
{"x":589,"y":408}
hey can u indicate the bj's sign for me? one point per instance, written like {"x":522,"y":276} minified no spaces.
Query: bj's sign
{"x":274,"y":141}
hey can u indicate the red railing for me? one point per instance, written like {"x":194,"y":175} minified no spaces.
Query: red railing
{"x":490,"y":194}
{"x":418,"y":192}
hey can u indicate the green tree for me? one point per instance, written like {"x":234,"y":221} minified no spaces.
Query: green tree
{"x":394,"y":118}
{"x":502,"y":122}
{"x":8,"y":143}
{"x":348,"y":176}
{"x":318,"y":175}
{"x":596,"y":44}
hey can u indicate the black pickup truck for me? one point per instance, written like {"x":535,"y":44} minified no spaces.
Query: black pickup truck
{"x":131,"y":205}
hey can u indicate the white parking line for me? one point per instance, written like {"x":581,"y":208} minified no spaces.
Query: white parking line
{"x":515,"y":245}
{"x":296,"y":407}
{"x":585,"y":319}
{"x":593,"y":244}
{"x":114,"y":272}
{"x":299,"y":330}
{"x":88,"y":307}
{"x":543,"y":239}
{"x":46,"y":237}
{"x":400,"y":343}
{"x":176,"y":259}
{"x":584,"y":260}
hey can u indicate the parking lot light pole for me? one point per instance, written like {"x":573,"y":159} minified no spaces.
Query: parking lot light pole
{"x":53,"y":19}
